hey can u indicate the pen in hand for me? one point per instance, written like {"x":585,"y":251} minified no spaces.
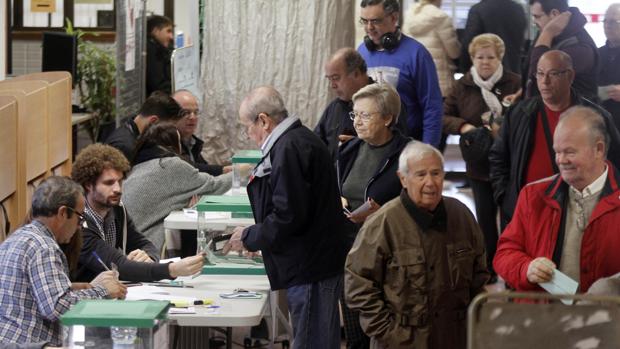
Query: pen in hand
{"x":100,"y":261}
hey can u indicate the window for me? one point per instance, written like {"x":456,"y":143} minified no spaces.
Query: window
{"x":94,"y":15}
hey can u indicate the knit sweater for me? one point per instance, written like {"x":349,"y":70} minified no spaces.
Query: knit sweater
{"x":156,"y":187}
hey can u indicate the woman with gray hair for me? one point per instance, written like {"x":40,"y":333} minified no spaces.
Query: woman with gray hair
{"x":367,"y":168}
{"x":472,"y":110}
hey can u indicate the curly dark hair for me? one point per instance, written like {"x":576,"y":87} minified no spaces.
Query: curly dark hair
{"x":92,"y":160}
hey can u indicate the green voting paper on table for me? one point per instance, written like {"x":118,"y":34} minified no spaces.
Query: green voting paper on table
{"x":238,"y":205}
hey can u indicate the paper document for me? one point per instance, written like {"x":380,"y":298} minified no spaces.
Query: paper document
{"x":561,"y":284}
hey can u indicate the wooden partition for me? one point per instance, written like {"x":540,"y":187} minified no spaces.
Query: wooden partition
{"x":32,"y":137}
{"x":8,"y":164}
{"x":59,"y":118}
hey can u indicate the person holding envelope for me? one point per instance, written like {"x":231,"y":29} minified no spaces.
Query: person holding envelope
{"x":567,"y":222}
{"x":367,"y":168}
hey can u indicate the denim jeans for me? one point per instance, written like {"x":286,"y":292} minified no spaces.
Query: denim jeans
{"x":314,"y":313}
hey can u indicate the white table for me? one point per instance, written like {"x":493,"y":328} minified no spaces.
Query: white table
{"x":220,"y":221}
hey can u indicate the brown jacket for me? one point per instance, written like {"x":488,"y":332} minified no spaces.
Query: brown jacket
{"x":412,"y":285}
{"x":465,"y":105}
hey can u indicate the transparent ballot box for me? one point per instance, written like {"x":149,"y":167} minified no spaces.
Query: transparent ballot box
{"x":218,"y":215}
{"x":242,"y":163}
{"x":116,"y":324}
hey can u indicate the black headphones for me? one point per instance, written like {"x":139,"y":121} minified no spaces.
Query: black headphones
{"x":389,"y":41}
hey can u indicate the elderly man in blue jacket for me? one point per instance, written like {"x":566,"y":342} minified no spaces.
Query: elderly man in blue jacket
{"x":299,"y":221}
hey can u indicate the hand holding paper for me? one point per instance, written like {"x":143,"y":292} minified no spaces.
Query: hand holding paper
{"x":362,"y":212}
{"x":540,"y":270}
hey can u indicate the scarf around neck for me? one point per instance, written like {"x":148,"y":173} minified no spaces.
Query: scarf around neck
{"x":489,"y":97}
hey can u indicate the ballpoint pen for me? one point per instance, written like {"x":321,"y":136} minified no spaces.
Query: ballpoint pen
{"x":100,"y":261}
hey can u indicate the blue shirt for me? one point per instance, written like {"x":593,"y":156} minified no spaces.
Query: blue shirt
{"x":35,"y":289}
{"x":410,"y":68}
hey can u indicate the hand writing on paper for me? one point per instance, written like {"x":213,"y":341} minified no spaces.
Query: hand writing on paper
{"x":109,"y":281}
{"x":540,"y":270}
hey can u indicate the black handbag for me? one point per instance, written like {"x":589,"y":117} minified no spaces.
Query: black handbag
{"x":476,"y":144}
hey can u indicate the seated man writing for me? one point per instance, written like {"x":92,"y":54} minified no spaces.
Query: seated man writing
{"x":109,"y":231}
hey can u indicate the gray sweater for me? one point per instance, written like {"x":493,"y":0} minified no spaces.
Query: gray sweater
{"x":156,"y":187}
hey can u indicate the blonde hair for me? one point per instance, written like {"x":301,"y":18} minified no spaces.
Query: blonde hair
{"x":427,"y":2}
{"x":487,"y":40}
{"x":385,"y":96}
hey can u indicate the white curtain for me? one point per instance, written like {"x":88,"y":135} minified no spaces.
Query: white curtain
{"x":284,"y":43}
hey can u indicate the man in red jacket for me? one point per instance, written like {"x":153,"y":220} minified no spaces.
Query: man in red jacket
{"x":568,"y":221}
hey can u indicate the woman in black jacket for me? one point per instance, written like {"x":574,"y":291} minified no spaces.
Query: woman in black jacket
{"x":367,"y":168}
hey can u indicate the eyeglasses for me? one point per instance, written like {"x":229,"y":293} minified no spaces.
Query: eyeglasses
{"x":185,"y":113}
{"x":374,"y":21}
{"x":81,"y":218}
{"x":552,"y":74}
{"x":362,"y":115}
{"x":333,"y":78}
{"x":611,"y":22}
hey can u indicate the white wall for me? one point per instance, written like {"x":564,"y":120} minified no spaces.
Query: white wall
{"x":3,"y":53}
{"x":155,"y":6}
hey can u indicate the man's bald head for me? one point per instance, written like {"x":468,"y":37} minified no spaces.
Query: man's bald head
{"x":188,"y":124}
{"x":554,"y":77}
{"x":346,"y":72}
{"x":611,"y":24}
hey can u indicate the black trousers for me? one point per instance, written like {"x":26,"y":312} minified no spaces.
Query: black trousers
{"x":486,"y":214}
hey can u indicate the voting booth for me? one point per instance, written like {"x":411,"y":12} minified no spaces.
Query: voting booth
{"x":116,"y":324}
{"x":541,"y":320}
{"x":211,"y":238}
{"x":243,"y":162}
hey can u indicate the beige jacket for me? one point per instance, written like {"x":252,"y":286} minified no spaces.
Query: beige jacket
{"x":433,"y":28}
{"x":411,"y":285}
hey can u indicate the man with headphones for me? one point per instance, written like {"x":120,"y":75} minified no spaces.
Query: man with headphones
{"x":403,"y":62}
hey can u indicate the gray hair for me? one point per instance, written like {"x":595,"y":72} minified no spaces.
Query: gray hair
{"x":389,"y":6}
{"x":416,"y":150}
{"x":595,"y":123}
{"x":385,"y":96}
{"x":54,"y":192}
{"x":265,"y":99}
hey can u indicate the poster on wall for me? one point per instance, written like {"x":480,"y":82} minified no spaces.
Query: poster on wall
{"x":48,"y":6}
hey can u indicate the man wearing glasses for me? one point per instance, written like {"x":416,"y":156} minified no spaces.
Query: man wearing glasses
{"x":299,"y":222}
{"x":609,"y":73}
{"x":567,"y":222}
{"x":404,"y":63}
{"x":347,"y":73}
{"x":562,"y":28}
{"x":523,"y":152}
{"x":191,"y":145}
{"x":35,"y":289}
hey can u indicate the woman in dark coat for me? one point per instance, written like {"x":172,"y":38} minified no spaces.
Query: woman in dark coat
{"x":367,"y":168}
{"x":478,"y":100}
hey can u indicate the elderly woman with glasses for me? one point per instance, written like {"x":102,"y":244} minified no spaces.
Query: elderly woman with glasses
{"x":478,"y":100}
{"x":367,"y":168}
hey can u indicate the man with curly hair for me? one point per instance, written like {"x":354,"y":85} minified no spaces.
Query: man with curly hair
{"x":109,"y":232}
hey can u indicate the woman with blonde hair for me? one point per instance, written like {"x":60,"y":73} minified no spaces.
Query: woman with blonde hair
{"x":433,"y":28}
{"x":470,"y":111}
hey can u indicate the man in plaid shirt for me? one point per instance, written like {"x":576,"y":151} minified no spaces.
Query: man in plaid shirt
{"x":35,"y":289}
